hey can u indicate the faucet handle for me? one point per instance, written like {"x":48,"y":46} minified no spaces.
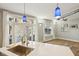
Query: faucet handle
{"x":27,"y":43}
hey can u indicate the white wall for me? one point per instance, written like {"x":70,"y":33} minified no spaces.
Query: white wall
{"x":71,"y":33}
{"x":1,"y":28}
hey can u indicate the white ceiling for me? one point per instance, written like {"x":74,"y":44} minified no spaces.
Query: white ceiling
{"x":45,"y":10}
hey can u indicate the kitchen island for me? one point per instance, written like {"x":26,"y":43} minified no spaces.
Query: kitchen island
{"x":41,"y":49}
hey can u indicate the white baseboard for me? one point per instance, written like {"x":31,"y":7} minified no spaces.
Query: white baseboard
{"x":47,"y":40}
{"x":75,"y":40}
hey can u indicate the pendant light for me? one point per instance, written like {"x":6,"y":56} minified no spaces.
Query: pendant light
{"x":57,"y":11}
{"x":24,"y":18}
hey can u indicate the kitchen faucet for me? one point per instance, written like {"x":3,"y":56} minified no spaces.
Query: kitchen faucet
{"x":24,"y":40}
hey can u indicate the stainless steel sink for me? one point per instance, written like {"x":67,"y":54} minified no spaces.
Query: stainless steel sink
{"x":20,"y":50}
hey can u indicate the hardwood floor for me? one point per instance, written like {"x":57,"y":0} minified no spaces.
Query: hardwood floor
{"x":74,"y":46}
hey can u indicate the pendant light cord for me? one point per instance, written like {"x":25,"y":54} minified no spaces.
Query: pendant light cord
{"x":57,"y":4}
{"x":24,"y":9}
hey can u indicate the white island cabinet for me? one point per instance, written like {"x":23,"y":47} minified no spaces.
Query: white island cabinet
{"x":41,"y":49}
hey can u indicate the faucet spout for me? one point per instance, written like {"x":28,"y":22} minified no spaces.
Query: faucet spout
{"x":25,"y":40}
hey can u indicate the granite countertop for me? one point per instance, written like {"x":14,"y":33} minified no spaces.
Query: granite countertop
{"x":41,"y":49}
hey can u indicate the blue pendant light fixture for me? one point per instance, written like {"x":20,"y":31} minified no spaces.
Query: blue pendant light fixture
{"x":57,"y":11}
{"x":24,"y":18}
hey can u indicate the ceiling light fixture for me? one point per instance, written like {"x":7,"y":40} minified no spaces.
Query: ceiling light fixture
{"x":57,"y":11}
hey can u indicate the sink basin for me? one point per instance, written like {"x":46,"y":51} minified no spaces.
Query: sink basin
{"x":20,"y":50}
